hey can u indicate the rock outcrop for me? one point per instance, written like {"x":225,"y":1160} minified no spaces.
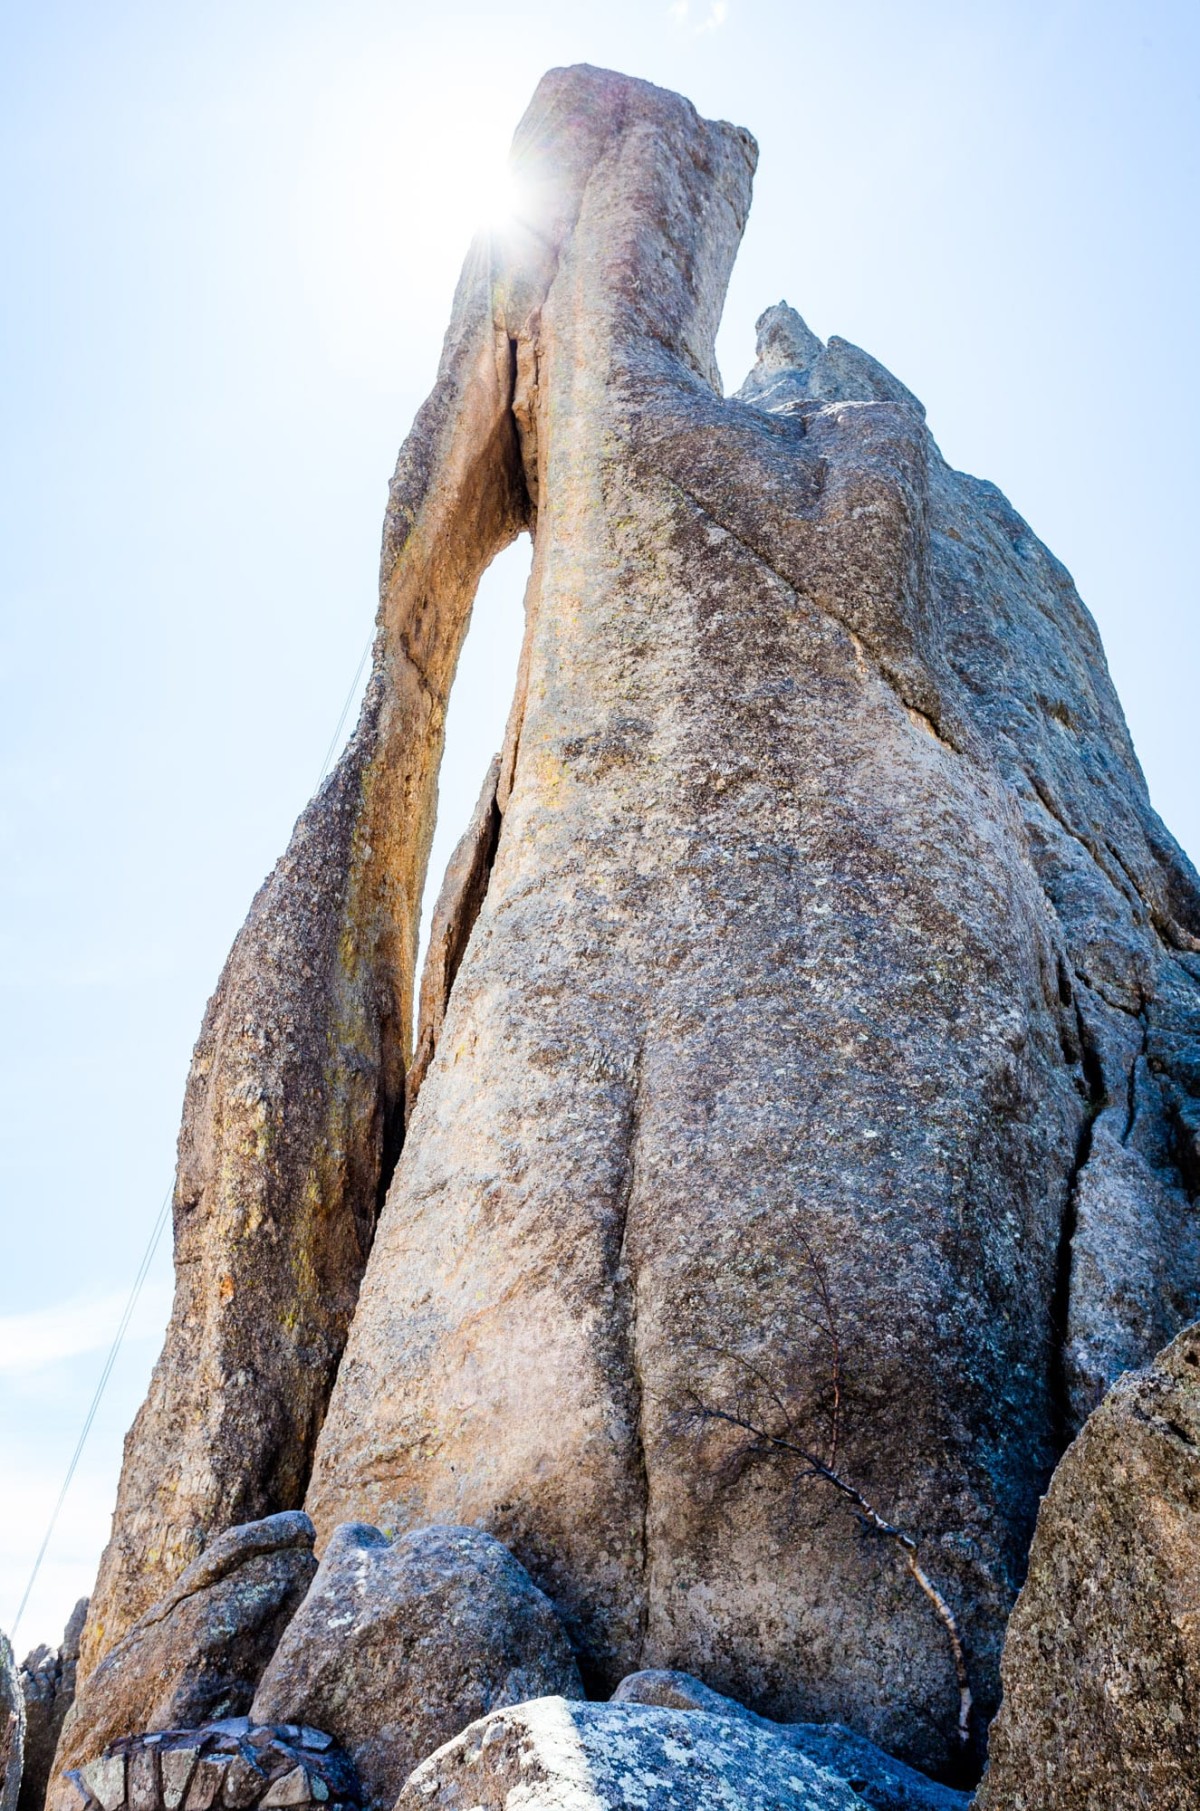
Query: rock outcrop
{"x":12,"y":1728}
{"x":608,"y":1757}
{"x":230,"y":1765}
{"x":48,"y":1686}
{"x":398,"y":1646}
{"x":1102,"y":1663}
{"x":883,"y":1782}
{"x":809,"y":1076}
{"x":295,"y":1100}
{"x":199,"y":1653}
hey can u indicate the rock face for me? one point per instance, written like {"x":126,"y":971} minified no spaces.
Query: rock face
{"x":200,"y":1652}
{"x":397,"y":1647}
{"x":880,"y":1780}
{"x":1102,"y":1663}
{"x":12,"y":1728}
{"x":806,"y":991}
{"x":230,"y":1765}
{"x":551,"y":1755}
{"x":48,"y":1685}
{"x":810,"y":1062}
{"x":295,"y":1101}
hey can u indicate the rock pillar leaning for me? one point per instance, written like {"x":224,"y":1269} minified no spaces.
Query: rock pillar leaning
{"x":295,"y":1101}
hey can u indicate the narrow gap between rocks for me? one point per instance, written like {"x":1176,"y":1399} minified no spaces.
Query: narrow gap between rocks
{"x":484,"y":684}
{"x":1096,"y":1097}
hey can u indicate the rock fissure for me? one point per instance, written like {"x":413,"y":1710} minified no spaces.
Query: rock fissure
{"x":1085,"y":843}
{"x":1131,"y":1101}
{"x":860,"y":646}
{"x":1095,"y":1100}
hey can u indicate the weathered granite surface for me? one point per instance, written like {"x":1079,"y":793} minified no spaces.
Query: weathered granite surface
{"x":1102,"y":1663}
{"x":880,"y":1780}
{"x":399,"y":1645}
{"x":555,"y":1756}
{"x":1031,"y":676}
{"x":812,"y":1031}
{"x":229,"y":1765}
{"x":199,"y":1653}
{"x":12,"y":1728}
{"x":295,"y":1101}
{"x":48,"y":1686}
{"x":828,"y":938}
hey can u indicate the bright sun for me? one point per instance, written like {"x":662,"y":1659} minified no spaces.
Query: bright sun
{"x":500,"y":199}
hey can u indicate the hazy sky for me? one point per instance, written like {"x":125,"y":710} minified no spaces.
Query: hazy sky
{"x":230,"y":238}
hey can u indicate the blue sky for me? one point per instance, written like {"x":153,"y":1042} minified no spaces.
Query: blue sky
{"x":231,"y":234}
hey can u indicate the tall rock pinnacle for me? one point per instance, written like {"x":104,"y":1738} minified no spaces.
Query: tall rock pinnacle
{"x":809,"y":1062}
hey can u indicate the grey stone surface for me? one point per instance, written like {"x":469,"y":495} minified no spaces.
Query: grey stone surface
{"x":815,"y":1017}
{"x":398,"y":1646}
{"x":829,"y":928}
{"x":48,"y":1685}
{"x":232,"y":1764}
{"x":556,"y":1756}
{"x":199,"y":1653}
{"x":12,"y":1728}
{"x":879,"y":1779}
{"x":1102,"y":1662}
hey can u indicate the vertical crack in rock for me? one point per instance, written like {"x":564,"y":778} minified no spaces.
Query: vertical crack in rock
{"x":1095,"y":1098}
{"x":1131,"y":1102}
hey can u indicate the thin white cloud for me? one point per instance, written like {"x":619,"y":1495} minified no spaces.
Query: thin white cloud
{"x":48,"y":1336}
{"x":681,"y":12}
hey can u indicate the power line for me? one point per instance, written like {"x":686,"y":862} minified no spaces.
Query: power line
{"x":152,"y":1247}
{"x":122,"y":1329}
{"x":341,"y":722}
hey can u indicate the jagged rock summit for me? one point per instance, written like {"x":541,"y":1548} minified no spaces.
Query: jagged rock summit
{"x":803,"y":1133}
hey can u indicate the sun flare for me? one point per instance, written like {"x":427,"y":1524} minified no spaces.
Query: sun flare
{"x":501,"y":200}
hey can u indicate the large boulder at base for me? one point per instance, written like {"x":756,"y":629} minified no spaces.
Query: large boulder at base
{"x":12,"y":1728}
{"x":555,"y":1756}
{"x":884,"y":1782}
{"x":200,"y":1652}
{"x":232,"y":1763}
{"x":399,"y":1645}
{"x":1101,"y":1668}
{"x":48,"y":1686}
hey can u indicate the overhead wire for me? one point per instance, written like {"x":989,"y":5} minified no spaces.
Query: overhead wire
{"x":341,"y":722}
{"x":143,"y":1269}
{"x":139,"y":1280}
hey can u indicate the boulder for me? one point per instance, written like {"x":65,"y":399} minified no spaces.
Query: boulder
{"x":551,"y":1755}
{"x":48,"y":1684}
{"x":229,"y":1765}
{"x":200,"y":1652}
{"x":1102,"y":1662}
{"x":12,"y":1728}
{"x":399,"y":1645}
{"x":879,"y":1779}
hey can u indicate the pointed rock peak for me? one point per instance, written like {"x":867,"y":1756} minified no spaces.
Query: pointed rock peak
{"x":785,"y":341}
{"x":793,"y":365}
